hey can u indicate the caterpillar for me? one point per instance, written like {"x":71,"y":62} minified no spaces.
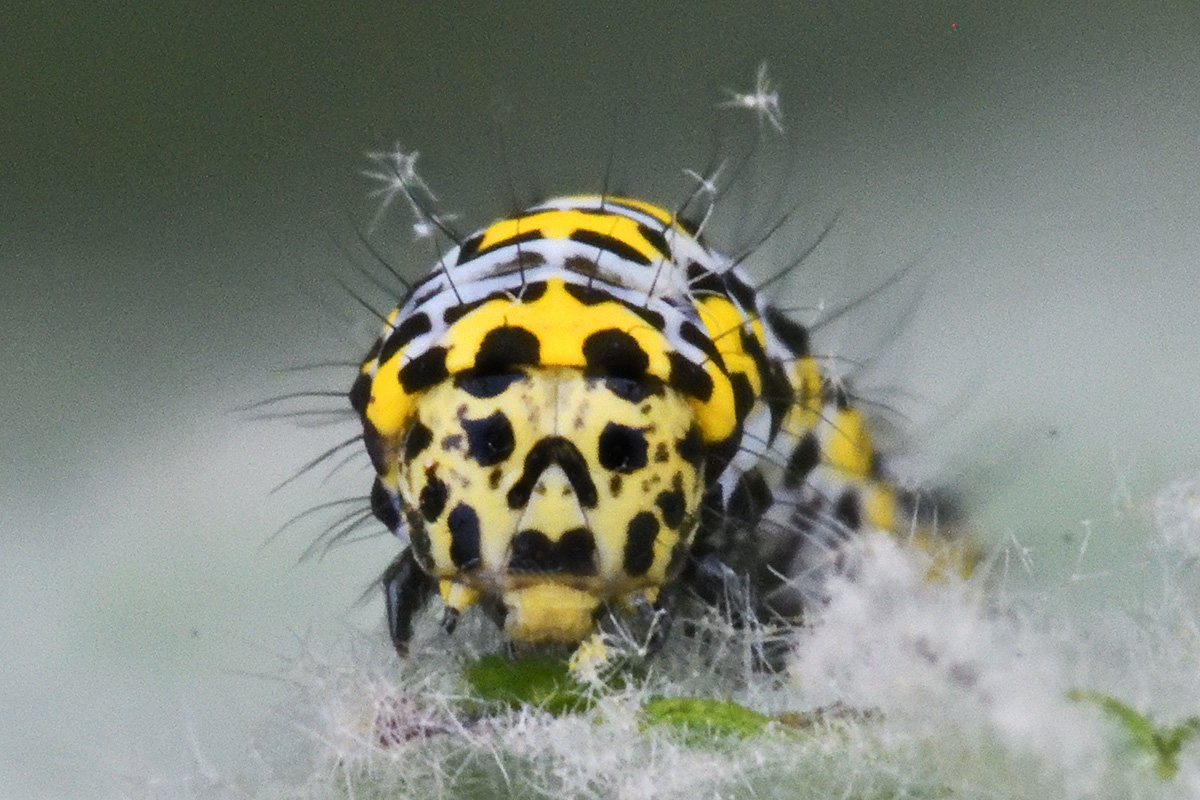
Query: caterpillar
{"x":585,"y":409}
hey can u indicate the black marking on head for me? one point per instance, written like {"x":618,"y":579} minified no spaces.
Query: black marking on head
{"x":469,"y":249}
{"x":503,"y":348}
{"x":702,"y":280}
{"x":463,"y":523}
{"x":743,"y":395}
{"x":614,"y":485}
{"x":689,"y":379}
{"x":634,"y":391}
{"x":573,"y":554}
{"x":612,"y":244}
{"x":418,"y":438}
{"x":489,"y":440}
{"x":360,"y":394}
{"x":793,"y":335}
{"x":750,"y":499}
{"x":486,"y":386}
{"x":564,"y":453}
{"x":803,"y":459}
{"x":672,"y":506}
{"x":532,"y":551}
{"x":577,"y":552}
{"x":622,"y":448}
{"x":639,"y":544}
{"x":613,"y":352}
{"x":662,"y":454}
{"x":377,"y":449}
{"x":432,"y":500}
{"x":418,"y":536}
{"x":424,"y":371}
{"x":384,"y":507}
{"x":656,"y":239}
{"x":847,"y":510}
{"x":412,"y":327}
{"x":739,"y":291}
{"x":691,"y":447}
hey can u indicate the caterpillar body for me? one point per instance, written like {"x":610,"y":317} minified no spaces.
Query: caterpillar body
{"x":584,"y":408}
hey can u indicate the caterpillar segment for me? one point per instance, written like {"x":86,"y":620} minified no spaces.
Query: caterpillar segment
{"x":583,"y":408}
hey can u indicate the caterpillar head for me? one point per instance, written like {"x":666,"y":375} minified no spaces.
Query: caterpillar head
{"x":547,"y":493}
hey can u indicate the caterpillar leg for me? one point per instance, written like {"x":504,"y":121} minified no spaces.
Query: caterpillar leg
{"x":406,"y":589}
{"x":655,"y":612}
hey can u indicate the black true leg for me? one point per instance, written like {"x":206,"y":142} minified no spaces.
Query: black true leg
{"x":406,"y":589}
{"x":659,"y":617}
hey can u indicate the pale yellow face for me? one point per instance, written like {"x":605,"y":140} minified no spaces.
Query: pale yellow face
{"x":551,"y":492}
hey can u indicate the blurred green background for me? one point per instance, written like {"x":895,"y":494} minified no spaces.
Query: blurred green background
{"x":179,"y":183}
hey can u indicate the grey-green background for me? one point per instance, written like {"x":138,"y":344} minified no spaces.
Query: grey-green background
{"x":176,"y":180}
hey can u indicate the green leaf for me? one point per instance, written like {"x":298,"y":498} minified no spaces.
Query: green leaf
{"x":543,"y":683}
{"x":1161,"y":743}
{"x":710,"y":717}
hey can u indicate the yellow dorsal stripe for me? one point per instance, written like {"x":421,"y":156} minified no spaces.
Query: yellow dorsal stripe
{"x":560,"y":224}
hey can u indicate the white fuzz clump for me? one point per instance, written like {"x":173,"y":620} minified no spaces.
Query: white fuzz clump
{"x":938,"y":665}
{"x":605,"y":754}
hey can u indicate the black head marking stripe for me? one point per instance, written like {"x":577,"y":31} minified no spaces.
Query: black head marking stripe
{"x":489,"y":440}
{"x":560,"y":451}
{"x":573,"y":554}
{"x":639,"y":544}
{"x":463,"y":523}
